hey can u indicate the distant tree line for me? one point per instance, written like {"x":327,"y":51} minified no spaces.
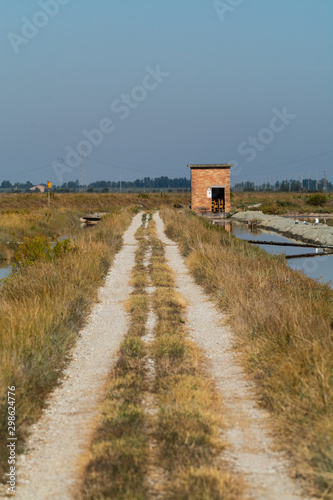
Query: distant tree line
{"x":22,"y":186}
{"x":286,"y":185}
{"x":163,"y":182}
{"x":178,"y":183}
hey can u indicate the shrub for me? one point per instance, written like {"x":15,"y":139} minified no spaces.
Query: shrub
{"x":317,"y":199}
{"x":271,"y":208}
{"x":39,"y":249}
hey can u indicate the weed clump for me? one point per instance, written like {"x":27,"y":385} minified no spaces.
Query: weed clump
{"x":40,"y":249}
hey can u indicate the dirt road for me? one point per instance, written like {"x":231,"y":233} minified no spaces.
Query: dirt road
{"x":49,"y":470}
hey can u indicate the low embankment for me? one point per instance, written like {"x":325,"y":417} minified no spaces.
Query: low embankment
{"x":283,"y":321}
{"x":310,"y":233}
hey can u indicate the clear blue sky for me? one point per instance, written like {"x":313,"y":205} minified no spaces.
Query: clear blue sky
{"x":182,"y":81}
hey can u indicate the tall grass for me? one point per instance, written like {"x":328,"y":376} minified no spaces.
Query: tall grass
{"x":283,"y":322}
{"x":42,"y":308}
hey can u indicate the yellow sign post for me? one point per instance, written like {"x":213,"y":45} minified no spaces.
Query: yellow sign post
{"x":48,"y":193}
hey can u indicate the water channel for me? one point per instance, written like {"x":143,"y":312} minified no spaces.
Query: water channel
{"x":5,"y":271}
{"x":320,"y":267}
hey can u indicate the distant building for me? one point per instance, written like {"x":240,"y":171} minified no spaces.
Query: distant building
{"x":39,"y":187}
{"x":210,"y":188}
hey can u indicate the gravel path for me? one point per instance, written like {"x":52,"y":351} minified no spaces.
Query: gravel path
{"x":49,"y":470}
{"x":320,"y":234}
{"x":251,"y":451}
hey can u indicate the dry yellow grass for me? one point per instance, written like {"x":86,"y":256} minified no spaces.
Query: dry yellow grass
{"x":89,"y":201}
{"x":284,"y":322}
{"x":27,"y":215}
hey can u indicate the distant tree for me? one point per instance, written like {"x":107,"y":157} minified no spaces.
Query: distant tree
{"x":296,"y":186}
{"x":284,"y":186}
{"x":6,"y":185}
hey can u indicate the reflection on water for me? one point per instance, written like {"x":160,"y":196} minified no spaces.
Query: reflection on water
{"x":314,"y":267}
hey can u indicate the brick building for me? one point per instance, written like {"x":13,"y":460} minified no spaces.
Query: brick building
{"x":210,"y":188}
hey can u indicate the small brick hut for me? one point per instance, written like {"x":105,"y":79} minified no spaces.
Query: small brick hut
{"x":210,"y":188}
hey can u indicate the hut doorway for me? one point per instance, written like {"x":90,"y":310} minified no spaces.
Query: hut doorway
{"x":218,"y":199}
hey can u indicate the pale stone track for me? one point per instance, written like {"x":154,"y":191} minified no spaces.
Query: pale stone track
{"x":50,"y":470}
{"x":251,"y":450}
